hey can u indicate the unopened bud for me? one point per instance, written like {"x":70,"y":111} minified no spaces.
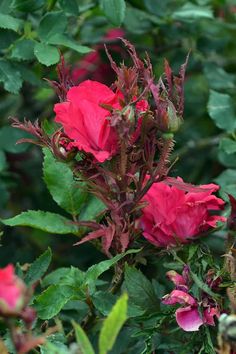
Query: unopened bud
{"x":12,"y":292}
{"x":174,"y":121}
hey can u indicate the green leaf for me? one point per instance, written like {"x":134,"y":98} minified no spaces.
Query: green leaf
{"x":38,"y":268}
{"x":103,"y":301}
{"x":69,"y":6}
{"x":219,"y":107}
{"x":10,"y":76}
{"x":67,"y":193}
{"x":190,"y":12}
{"x":98,"y":269}
{"x":140,"y":290}
{"x":51,"y":301}
{"x":218,"y":78}
{"x":9,"y":22}
{"x":27,"y":5}
{"x":228,"y":145}
{"x":8,"y":140}
{"x":82,"y":340}
{"x":61,"y":39}
{"x":46,"y":54}
{"x":23,"y":49}
{"x":67,"y":276}
{"x":51,"y":24}
{"x":114,"y":10}
{"x":3,"y":161}
{"x":227,"y":181}
{"x":113,"y":324}
{"x":46,"y":221}
{"x":139,"y":22}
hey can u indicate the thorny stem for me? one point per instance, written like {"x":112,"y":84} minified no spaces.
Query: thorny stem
{"x":160,"y":170}
{"x":117,"y":278}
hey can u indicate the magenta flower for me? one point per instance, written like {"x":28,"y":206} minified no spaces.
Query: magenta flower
{"x":86,"y":122}
{"x":174,"y":216}
{"x":12,"y":290}
{"x":192,"y":314}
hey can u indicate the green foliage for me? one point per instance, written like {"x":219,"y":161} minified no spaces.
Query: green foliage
{"x":67,"y":193}
{"x":38,"y":268}
{"x":220,"y":106}
{"x":51,"y":301}
{"x":140,"y":290}
{"x":82,"y":340}
{"x":80,"y":291}
{"x":114,"y":10}
{"x":9,"y":22}
{"x":52,"y":56}
{"x":190,"y":12}
{"x":42,"y":220}
{"x":10,"y":76}
{"x":112,"y":324}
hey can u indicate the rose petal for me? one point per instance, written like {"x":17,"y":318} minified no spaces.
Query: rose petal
{"x":188,"y":319}
{"x":178,"y":297}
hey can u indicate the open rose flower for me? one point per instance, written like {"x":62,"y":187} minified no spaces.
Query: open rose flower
{"x":174,"y":216}
{"x":192,"y":314}
{"x":12,"y":291}
{"x":86,"y":122}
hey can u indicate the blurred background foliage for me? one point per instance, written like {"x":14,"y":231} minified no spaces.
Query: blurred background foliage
{"x":32,"y":35}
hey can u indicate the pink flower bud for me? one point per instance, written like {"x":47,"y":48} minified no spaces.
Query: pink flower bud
{"x":12,"y":291}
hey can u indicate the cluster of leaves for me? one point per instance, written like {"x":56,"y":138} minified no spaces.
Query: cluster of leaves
{"x":31,"y":34}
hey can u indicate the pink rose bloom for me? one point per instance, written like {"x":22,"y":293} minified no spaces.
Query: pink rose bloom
{"x":12,"y":290}
{"x":86,"y":122}
{"x":190,"y":316}
{"x":174,"y":216}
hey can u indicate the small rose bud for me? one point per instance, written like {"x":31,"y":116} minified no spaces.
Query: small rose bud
{"x":174,"y":121}
{"x":12,"y":291}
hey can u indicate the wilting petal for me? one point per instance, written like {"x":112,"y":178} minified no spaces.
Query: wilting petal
{"x":176,"y":278}
{"x":188,"y":319}
{"x":209,"y":315}
{"x":178,"y":297}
